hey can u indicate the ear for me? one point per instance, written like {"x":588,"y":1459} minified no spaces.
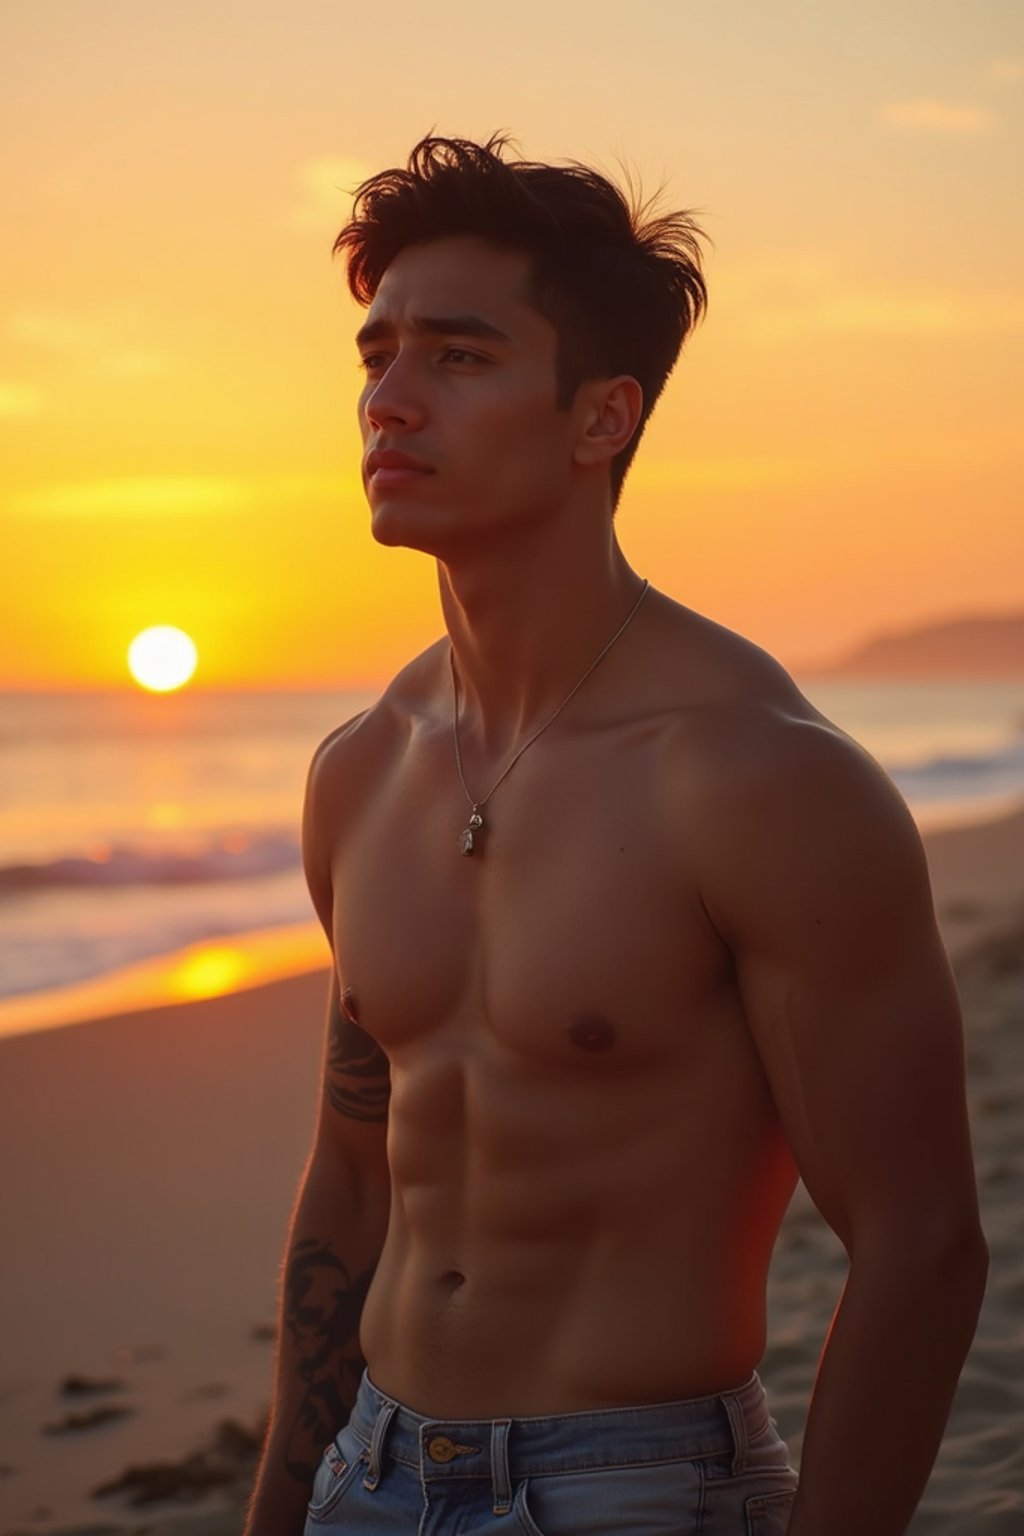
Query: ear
{"x":609,"y":417}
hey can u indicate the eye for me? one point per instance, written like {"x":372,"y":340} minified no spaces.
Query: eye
{"x":369,"y":363}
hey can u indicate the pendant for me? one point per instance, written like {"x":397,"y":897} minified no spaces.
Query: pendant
{"x":476,"y":821}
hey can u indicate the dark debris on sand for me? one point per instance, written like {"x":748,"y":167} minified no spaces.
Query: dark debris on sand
{"x":230,"y":1458}
{"x":85,"y":1386}
{"x":102,"y":1414}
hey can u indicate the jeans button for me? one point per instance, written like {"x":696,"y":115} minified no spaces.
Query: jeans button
{"x":441,"y":1449}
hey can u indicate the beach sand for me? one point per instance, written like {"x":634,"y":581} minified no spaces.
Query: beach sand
{"x":151,"y":1161}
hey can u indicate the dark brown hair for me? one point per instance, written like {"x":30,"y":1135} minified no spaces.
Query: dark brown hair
{"x":622,"y":292}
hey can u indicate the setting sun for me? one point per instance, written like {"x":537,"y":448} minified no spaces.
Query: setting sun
{"x":162,"y":658}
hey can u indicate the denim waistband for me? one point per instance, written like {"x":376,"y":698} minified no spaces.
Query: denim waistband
{"x":691,"y":1429}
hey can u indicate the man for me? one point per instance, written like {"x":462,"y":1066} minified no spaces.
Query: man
{"x":626,"y":937}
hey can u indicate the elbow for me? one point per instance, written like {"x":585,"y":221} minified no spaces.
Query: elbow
{"x":959,"y":1261}
{"x":975,"y":1258}
{"x":963,"y":1250}
{"x":955,"y":1265}
{"x":950,"y":1259}
{"x":963,"y":1275}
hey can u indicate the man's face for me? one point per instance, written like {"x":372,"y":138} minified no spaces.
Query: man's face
{"x":480,"y":410}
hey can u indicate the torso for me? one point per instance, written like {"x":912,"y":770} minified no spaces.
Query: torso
{"x":587,"y":1169}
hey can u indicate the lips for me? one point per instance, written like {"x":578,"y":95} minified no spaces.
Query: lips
{"x":385,"y":479}
{"x":391,"y":458}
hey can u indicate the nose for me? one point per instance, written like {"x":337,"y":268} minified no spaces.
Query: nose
{"x":393,"y":397}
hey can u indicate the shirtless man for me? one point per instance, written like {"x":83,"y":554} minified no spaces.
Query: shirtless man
{"x":572,"y":1072}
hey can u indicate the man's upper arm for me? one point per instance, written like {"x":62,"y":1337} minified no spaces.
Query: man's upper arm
{"x":322,"y":815}
{"x":356,"y":1075}
{"x":818,"y":883}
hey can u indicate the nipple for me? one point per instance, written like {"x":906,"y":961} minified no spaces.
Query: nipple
{"x":592,"y":1032}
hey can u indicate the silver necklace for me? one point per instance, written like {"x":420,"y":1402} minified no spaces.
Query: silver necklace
{"x":468,"y":835}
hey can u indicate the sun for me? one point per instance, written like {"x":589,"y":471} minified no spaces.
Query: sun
{"x":162,"y":658}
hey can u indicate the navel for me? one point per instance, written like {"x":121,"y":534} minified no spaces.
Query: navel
{"x":592,"y":1032}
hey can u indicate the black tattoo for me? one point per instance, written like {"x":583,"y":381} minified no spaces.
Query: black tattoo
{"x":358,"y":1078}
{"x":322,"y":1307}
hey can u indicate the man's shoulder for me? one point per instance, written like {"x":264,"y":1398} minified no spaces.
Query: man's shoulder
{"x":783,"y":816}
{"x":753,"y":737}
{"x":380,"y":730}
{"x":768,"y":782}
{"x":415,"y":688}
{"x":349,"y":765}
{"x":731,"y":693}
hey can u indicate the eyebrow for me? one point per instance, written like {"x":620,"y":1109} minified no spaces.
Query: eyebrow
{"x":433,"y":325}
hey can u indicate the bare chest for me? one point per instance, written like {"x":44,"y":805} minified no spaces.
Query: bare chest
{"x":572,"y":934}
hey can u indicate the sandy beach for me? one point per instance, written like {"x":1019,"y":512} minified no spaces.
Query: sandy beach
{"x":151,"y":1160}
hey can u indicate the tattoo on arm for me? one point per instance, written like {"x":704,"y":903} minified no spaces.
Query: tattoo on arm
{"x":323,"y":1303}
{"x":323,"y":1298}
{"x":358,"y":1077}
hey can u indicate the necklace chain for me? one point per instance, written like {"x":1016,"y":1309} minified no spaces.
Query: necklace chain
{"x":476,"y":821}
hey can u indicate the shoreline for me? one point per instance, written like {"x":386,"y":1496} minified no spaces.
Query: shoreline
{"x":216,"y":967}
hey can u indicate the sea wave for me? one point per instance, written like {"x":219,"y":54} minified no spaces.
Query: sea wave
{"x":997,"y":771}
{"x":211,"y":858}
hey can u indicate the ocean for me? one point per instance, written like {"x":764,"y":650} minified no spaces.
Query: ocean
{"x":137,"y":827}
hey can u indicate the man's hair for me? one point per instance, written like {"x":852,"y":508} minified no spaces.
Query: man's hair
{"x":622,"y":292}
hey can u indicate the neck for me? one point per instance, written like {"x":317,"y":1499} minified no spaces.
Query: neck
{"x":525,"y":622}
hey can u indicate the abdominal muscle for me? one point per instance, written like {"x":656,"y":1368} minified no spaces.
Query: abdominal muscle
{"x":568,"y":1241}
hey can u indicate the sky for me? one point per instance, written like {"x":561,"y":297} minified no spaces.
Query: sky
{"x":837,"y":451}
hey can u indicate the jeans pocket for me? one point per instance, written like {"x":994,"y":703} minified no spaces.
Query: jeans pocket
{"x":336,"y":1473}
{"x":768,"y":1513}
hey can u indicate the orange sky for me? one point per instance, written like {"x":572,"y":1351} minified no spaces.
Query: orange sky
{"x":837,"y":450}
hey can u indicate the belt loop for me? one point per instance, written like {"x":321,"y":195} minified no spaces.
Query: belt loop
{"x":380,"y":1429}
{"x":501,"y":1481}
{"x":738,"y":1424}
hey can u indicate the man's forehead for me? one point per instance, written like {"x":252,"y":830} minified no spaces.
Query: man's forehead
{"x":454,"y":280}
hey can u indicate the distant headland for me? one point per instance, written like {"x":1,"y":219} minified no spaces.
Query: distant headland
{"x":970,"y":646}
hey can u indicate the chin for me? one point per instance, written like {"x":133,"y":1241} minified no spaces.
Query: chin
{"x":391,"y":528}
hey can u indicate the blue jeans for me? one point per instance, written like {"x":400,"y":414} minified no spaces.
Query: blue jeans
{"x":703,"y":1466}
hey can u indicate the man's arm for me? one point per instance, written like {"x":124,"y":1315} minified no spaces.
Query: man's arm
{"x":820,"y":888}
{"x":334,"y":1242}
